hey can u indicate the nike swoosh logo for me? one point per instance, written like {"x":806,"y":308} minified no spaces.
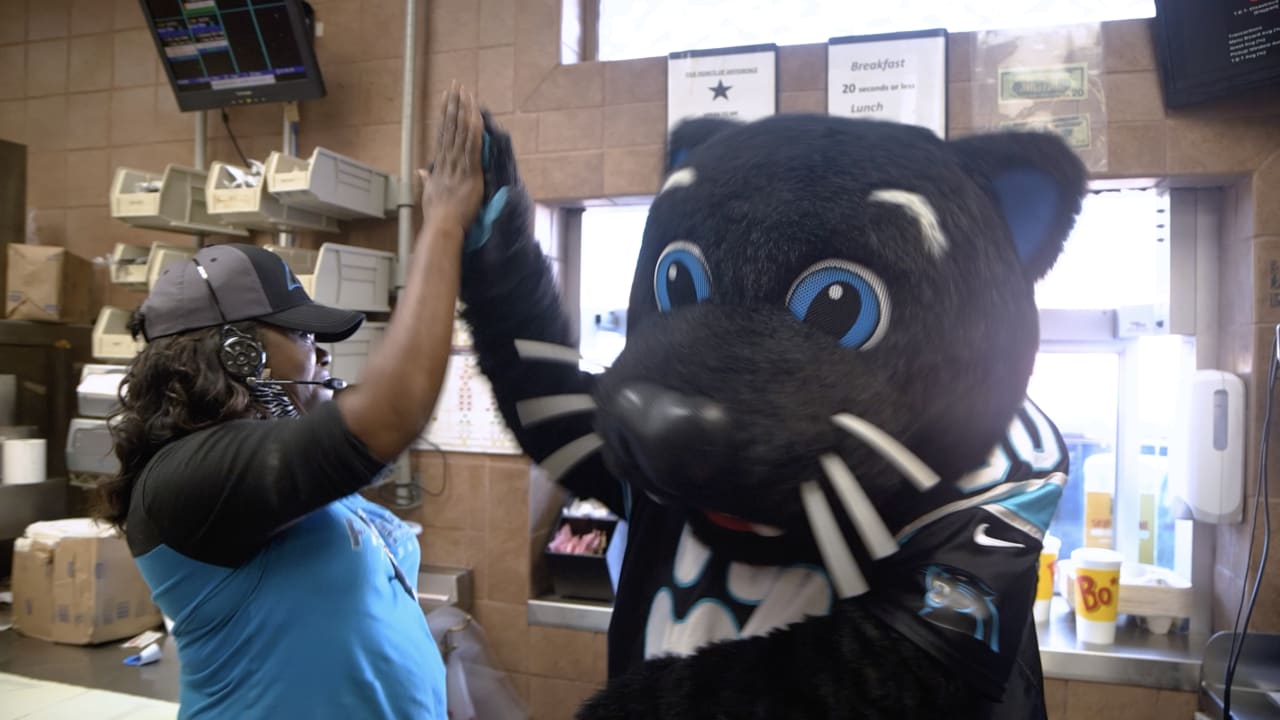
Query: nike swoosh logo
{"x":981,"y":537}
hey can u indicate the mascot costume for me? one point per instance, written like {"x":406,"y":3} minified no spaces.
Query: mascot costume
{"x":818,"y":433}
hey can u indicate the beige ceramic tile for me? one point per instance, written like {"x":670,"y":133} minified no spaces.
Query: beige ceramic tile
{"x":537,"y":40}
{"x":133,"y":115}
{"x":1127,"y":46}
{"x":88,"y":17}
{"x":636,"y":124}
{"x":560,"y":130}
{"x":506,"y":629}
{"x":89,"y":65}
{"x":507,"y":568}
{"x":462,"y":496}
{"x":1219,"y":146}
{"x":811,"y":101}
{"x":633,"y":171}
{"x":1055,"y":698}
{"x":88,"y":177}
{"x":1092,"y":701}
{"x":13,"y":71}
{"x":381,"y":85}
{"x":960,"y":53}
{"x":1136,"y":149}
{"x":496,"y":78}
{"x":14,"y":29}
{"x":497,"y":23}
{"x":1262,"y":197}
{"x":133,"y":60}
{"x":1133,"y":96}
{"x":453,"y":24}
{"x":341,"y":42}
{"x":48,"y":19}
{"x":802,"y":67}
{"x":567,"y":654}
{"x":341,"y":106}
{"x":569,"y":86}
{"x":51,"y":226}
{"x":46,"y":67}
{"x":128,"y":14}
{"x":47,"y":180}
{"x":635,"y":81}
{"x":552,"y":699}
{"x":564,"y":176}
{"x":47,"y":123}
{"x":382,"y":28}
{"x":13,"y":121}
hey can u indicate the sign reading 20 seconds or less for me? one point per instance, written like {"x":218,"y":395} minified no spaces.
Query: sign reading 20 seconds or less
{"x":900,"y":77}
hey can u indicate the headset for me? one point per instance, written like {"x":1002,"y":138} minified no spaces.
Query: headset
{"x":243,"y":357}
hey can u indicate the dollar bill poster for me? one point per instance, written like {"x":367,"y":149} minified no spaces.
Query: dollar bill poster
{"x":739,"y":83}
{"x":898,"y":76}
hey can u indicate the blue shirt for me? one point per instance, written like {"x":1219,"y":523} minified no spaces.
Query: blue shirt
{"x":279,"y":616}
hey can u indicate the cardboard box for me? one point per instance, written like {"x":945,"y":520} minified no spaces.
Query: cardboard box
{"x":48,"y":284}
{"x":74,"y":582}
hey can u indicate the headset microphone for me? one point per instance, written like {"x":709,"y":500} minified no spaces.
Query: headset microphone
{"x":244,"y":357}
{"x":332,"y":383}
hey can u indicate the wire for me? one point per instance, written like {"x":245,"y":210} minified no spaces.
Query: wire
{"x":226,"y":123}
{"x":444,"y":469}
{"x":392,"y":493}
{"x":1261,"y":498}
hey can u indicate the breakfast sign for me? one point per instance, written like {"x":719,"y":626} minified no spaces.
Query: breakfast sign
{"x":898,"y":76}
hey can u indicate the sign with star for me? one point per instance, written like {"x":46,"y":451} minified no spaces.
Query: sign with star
{"x":899,"y":76}
{"x":739,"y":83}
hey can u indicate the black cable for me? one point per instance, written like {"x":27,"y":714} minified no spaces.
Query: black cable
{"x":226,"y":123}
{"x":444,"y":469}
{"x":390,"y":492}
{"x":1261,"y":497}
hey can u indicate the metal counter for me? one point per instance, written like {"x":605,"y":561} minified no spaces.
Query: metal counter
{"x":1170,"y":662}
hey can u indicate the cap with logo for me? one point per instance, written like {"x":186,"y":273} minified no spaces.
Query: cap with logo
{"x":245,"y":282}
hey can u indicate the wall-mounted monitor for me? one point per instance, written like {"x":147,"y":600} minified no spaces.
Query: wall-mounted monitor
{"x":235,"y":52}
{"x":1208,"y":49}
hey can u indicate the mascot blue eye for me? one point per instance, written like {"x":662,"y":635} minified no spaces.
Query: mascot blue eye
{"x":681,"y":277}
{"x":842,"y":299}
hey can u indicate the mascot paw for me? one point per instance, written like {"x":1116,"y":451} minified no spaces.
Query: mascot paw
{"x":499,"y":162}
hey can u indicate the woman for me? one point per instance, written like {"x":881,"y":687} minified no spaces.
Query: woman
{"x":291,"y":595}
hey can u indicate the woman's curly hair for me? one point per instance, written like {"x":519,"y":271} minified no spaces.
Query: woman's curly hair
{"x":176,"y":386}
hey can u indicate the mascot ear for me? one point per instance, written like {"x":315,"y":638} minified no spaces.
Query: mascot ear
{"x":691,"y":133}
{"x":1038,"y":184}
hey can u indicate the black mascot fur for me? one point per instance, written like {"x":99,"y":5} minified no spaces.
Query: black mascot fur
{"x":818,"y":433}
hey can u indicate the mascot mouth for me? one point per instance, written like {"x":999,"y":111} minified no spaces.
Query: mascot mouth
{"x":737,"y":524}
{"x":681,"y":449}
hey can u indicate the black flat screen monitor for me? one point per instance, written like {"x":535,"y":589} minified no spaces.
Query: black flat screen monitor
{"x":235,"y":52}
{"x":1208,"y":49}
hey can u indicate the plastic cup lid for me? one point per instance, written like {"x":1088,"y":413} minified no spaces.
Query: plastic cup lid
{"x":1096,"y":557}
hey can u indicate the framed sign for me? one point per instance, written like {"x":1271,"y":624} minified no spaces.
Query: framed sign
{"x":740,"y":83}
{"x":899,"y":76}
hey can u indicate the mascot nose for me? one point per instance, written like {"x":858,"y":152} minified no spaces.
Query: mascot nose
{"x":669,"y":434}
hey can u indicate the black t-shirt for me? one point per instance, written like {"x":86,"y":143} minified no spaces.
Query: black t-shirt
{"x":218,"y":495}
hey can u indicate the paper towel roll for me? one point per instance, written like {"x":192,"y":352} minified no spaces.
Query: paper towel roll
{"x":24,"y":461}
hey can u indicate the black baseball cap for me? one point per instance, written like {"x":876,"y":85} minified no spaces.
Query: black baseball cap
{"x":245,"y":282}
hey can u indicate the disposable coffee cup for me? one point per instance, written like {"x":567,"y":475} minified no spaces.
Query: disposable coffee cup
{"x":1045,"y":577}
{"x":1096,"y":594}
